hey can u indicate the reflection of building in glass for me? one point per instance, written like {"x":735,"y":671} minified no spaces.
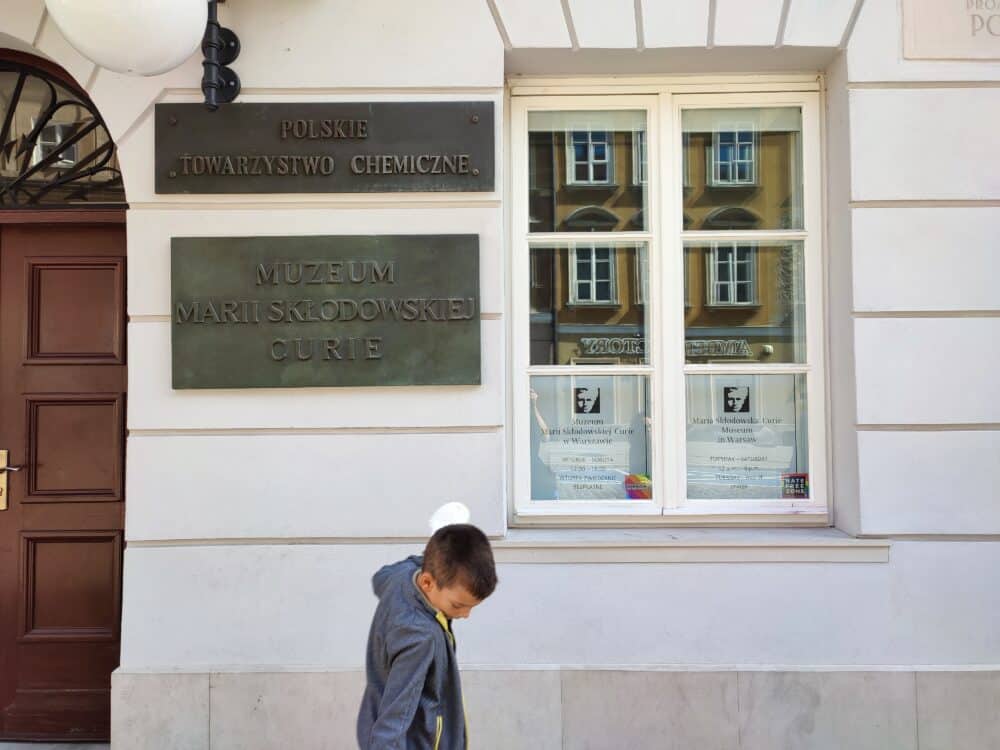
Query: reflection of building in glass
{"x":587,"y":180}
{"x":739,"y":177}
{"x":588,"y":299}
{"x":56,"y":149}
{"x":588,"y":304}
{"x":743,"y":300}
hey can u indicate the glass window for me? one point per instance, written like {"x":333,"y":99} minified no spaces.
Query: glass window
{"x":581,"y":171}
{"x":667,"y":361}
{"x":584,"y":307}
{"x":590,"y":438}
{"x":747,"y":437}
{"x":56,"y":149}
{"x":749,"y":173}
{"x":748,"y":302}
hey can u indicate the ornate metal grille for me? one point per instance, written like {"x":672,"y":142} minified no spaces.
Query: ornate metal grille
{"x":54,"y":147}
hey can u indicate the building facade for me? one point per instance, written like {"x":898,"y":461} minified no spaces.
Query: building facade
{"x":731,"y":506}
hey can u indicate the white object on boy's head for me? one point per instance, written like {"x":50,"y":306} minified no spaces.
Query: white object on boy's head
{"x":448,"y":514}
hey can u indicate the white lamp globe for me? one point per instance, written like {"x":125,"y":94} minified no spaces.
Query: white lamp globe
{"x":448,"y":514}
{"x":137,"y":37}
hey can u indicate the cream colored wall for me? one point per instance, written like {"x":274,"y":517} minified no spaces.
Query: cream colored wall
{"x":924,"y":188}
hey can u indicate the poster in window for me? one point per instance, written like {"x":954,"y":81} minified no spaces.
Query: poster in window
{"x":747,"y":437}
{"x":590,"y":438}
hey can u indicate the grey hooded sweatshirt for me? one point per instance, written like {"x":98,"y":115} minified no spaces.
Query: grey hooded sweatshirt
{"x":413,"y":700}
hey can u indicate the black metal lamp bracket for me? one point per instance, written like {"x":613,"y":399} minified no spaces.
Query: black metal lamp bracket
{"x":220,"y":84}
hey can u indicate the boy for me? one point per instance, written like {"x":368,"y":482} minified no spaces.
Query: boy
{"x":413,"y":700}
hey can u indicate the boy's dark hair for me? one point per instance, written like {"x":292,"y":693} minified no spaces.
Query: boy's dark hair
{"x":461,"y":552}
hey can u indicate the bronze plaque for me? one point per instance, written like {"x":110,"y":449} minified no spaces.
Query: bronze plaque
{"x":286,"y":312}
{"x":352,"y":147}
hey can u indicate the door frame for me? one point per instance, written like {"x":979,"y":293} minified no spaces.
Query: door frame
{"x":63,"y":215}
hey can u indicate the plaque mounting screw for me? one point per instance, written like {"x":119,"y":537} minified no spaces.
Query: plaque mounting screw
{"x":172,"y":120}
{"x":475,"y":172}
{"x":475,"y":119}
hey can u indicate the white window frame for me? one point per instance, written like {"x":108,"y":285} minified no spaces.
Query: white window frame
{"x":712,"y":281}
{"x":640,"y":164}
{"x":571,"y":162}
{"x":714,"y":162}
{"x":664,"y":239}
{"x":592,"y":248}
{"x":641,"y":275}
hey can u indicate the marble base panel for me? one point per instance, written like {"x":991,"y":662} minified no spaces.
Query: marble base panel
{"x":577,"y":709}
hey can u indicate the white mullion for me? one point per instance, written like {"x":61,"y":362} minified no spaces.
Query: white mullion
{"x":653,"y":304}
{"x":547,"y":239}
{"x":744,"y":235}
{"x":590,"y":370}
{"x":749,"y":368}
{"x":670,"y":362}
{"x":816,"y":389}
{"x":520,"y":300}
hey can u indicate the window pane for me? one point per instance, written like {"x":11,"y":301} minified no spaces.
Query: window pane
{"x":590,"y":438}
{"x":581,"y":171}
{"x":752,"y":311}
{"x":37,"y":167}
{"x":576,"y":319}
{"x":745,"y":168}
{"x":747,"y":437}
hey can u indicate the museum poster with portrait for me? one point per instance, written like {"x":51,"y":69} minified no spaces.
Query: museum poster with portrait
{"x":590,"y":438}
{"x":747,"y":437}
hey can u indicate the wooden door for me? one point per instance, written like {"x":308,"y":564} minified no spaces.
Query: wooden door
{"x":62,"y":418}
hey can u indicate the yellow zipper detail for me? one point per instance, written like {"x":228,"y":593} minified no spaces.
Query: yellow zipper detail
{"x":465,"y":719}
{"x":443,"y":622}
{"x":437,"y":733}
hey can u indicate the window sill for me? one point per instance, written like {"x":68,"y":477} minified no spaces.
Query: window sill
{"x":662,"y":545}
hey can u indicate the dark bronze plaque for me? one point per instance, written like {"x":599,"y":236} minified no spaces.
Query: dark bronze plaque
{"x":280,"y":312}
{"x":354,"y":147}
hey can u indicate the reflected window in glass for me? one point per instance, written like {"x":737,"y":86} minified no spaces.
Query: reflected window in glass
{"x":50,"y":138}
{"x":579,"y":168}
{"x":733,"y":157}
{"x":584,"y":304}
{"x":593,"y":281}
{"x":742,"y":168}
{"x":732,"y":272}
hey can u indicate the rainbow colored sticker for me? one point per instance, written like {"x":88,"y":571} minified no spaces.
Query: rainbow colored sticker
{"x":638,"y":487}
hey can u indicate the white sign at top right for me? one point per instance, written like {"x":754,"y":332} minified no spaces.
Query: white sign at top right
{"x":951,"y":29}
